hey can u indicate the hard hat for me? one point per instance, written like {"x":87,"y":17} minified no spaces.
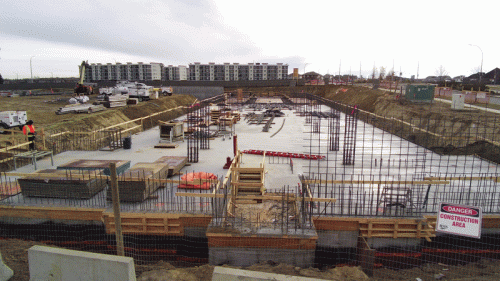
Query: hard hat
{"x":30,"y":122}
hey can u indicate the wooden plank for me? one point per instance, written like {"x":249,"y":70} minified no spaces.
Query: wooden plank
{"x":322,"y":224}
{"x":461,"y":178}
{"x":373,"y":182}
{"x":59,"y":213}
{"x":253,"y":241}
{"x":248,"y":170}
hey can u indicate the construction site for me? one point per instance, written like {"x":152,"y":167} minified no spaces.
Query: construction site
{"x":319,"y":176}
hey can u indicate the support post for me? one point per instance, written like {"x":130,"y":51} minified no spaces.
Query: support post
{"x":116,"y":209}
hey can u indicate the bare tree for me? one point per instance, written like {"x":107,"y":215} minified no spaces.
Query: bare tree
{"x":382,"y":73}
{"x":374,"y":73}
{"x":475,"y":70}
{"x":391,"y":73}
{"x":441,"y":71}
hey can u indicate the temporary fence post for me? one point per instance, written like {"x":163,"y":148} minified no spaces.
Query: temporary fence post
{"x":43,"y":139}
{"x":116,"y":209}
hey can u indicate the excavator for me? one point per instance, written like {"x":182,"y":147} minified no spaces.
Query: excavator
{"x":85,"y":88}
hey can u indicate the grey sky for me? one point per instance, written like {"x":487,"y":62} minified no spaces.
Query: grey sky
{"x":322,"y":36}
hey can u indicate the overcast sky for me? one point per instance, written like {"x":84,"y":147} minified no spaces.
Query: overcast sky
{"x":321,"y":36}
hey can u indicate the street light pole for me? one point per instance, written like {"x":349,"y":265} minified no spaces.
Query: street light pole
{"x":480,"y":71}
{"x":31,"y":68}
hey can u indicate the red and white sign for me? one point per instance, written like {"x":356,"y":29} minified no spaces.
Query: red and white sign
{"x":459,"y":220}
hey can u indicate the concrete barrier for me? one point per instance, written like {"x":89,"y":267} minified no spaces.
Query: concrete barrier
{"x":5,"y":272}
{"x":232,"y":274}
{"x":47,"y":263}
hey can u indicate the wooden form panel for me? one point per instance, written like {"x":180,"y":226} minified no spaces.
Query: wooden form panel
{"x":254,"y":241}
{"x":379,"y":227}
{"x":145,"y":224}
{"x":338,"y":224}
{"x":59,"y":213}
{"x":396,"y":228}
{"x":196,"y":220}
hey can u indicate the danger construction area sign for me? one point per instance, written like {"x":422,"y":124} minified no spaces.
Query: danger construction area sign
{"x":459,"y":220}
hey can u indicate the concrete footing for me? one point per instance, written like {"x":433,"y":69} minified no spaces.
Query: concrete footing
{"x":337,"y":239}
{"x":249,"y":256}
{"x":47,"y":263}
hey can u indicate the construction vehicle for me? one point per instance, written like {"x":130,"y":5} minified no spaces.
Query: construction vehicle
{"x":166,"y":91}
{"x":137,"y":90}
{"x":12,"y":119}
{"x":85,"y":88}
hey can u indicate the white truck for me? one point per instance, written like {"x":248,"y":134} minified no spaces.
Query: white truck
{"x":12,"y":119}
{"x":137,"y":90}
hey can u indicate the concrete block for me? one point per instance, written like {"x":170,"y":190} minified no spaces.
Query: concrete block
{"x":377,"y":243}
{"x":5,"y":272}
{"x":250,"y":256}
{"x":47,"y":263}
{"x":232,"y":274}
{"x":337,"y":239}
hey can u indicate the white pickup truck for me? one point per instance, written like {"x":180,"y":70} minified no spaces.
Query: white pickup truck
{"x":12,"y":119}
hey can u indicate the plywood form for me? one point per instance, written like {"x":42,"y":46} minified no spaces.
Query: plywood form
{"x":84,"y":164}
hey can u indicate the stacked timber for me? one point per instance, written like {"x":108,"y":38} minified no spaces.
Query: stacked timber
{"x":140,"y":182}
{"x":175,"y":163}
{"x":115,"y":101}
{"x":91,"y":165}
{"x":80,"y":108}
{"x":214,"y":116}
{"x":52,"y":183}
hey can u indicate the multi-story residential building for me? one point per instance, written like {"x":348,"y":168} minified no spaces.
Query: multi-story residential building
{"x":195,"y":72}
{"x":175,"y":73}
{"x":237,"y":72}
{"x":129,"y":71}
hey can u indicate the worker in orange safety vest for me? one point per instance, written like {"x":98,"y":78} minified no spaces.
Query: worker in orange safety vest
{"x":29,"y":130}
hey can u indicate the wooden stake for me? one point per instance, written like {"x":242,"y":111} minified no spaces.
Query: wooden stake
{"x":116,"y":209}
{"x":43,"y":140}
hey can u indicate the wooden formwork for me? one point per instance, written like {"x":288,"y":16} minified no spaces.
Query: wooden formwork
{"x":380,"y":227}
{"x":259,"y":241}
{"x":145,"y":224}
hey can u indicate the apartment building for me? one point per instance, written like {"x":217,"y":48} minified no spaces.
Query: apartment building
{"x":175,"y":73}
{"x":195,"y":72}
{"x":237,"y":72}
{"x":129,"y":71}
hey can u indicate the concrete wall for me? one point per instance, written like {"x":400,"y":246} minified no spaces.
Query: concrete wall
{"x":249,"y":256}
{"x":337,"y":239}
{"x":47,"y":263}
{"x":227,"y":84}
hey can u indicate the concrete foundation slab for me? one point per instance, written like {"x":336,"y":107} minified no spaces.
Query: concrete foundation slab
{"x":47,"y":263}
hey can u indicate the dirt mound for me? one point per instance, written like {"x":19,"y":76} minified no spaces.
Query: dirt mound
{"x":122,"y":114}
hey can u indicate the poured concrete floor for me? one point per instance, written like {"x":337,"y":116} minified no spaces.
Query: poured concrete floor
{"x":379,"y":156}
